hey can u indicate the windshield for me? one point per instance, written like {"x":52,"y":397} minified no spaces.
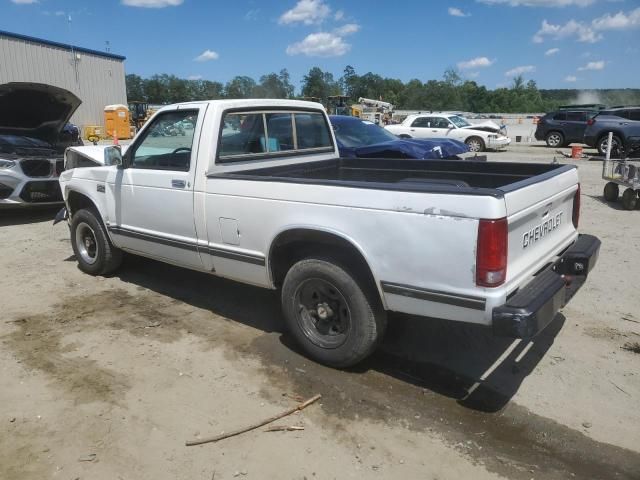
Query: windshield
{"x":361,"y":133}
{"x":459,"y":121}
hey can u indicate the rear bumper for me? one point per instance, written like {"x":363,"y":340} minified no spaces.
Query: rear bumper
{"x":530,"y":310}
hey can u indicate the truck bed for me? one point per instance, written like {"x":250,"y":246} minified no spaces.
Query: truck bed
{"x":479,"y":178}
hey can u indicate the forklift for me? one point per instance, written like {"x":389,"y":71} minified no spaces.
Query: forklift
{"x":139,"y":113}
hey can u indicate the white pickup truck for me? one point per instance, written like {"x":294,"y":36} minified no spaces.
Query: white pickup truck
{"x":256,"y":192}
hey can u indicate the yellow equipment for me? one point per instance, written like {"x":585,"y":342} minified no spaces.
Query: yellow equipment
{"x":93,"y":133}
{"x":116,"y":121}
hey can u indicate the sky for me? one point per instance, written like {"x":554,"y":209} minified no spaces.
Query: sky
{"x":557,"y":43}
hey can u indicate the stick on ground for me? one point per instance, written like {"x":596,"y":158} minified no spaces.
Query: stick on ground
{"x":217,"y":438}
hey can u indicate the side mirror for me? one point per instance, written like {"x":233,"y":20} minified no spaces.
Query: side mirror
{"x":450,"y":126}
{"x":113,"y":155}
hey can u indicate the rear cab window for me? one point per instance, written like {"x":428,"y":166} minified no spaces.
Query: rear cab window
{"x":265,"y":134}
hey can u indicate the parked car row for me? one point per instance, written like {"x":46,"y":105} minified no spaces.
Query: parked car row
{"x":591,"y":127}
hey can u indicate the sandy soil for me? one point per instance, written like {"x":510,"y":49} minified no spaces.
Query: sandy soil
{"x":105,"y":378}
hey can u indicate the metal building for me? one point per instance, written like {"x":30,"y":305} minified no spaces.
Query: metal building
{"x":97,"y":78}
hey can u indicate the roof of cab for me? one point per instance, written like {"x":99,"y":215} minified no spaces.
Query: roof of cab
{"x":251,"y":102}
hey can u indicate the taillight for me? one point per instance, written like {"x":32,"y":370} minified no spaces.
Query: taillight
{"x":491,"y":254}
{"x":575,"y":217}
{"x":591,"y":121}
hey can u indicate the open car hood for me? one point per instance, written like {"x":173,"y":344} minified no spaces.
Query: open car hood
{"x":487,"y":126}
{"x":433,"y":149}
{"x":35,"y":110}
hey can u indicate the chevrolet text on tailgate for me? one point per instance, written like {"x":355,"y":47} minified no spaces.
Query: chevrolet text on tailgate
{"x":255,"y":191}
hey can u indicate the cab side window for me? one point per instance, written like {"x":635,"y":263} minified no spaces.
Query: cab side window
{"x":254,"y":135}
{"x":166,"y":143}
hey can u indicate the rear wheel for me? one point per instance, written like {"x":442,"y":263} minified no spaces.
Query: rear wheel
{"x":475,"y":144}
{"x":94,"y":251}
{"x":629,"y":199}
{"x":554,"y":139}
{"x":615,"y":145}
{"x":333,"y":314}
{"x":611,"y":192}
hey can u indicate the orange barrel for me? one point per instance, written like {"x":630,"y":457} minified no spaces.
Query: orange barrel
{"x":576,"y":152}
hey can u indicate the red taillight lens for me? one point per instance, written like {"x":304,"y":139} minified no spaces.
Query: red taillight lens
{"x":591,"y":121}
{"x":491,"y":254}
{"x":576,"y":208}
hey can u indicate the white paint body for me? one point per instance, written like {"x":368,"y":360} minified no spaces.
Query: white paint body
{"x":426,"y":240}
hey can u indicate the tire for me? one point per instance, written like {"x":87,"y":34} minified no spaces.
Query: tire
{"x":611,"y":192}
{"x":554,"y":139}
{"x":601,"y":145}
{"x":629,"y":199}
{"x":475,"y":144}
{"x":333,"y":314}
{"x":93,"y":249}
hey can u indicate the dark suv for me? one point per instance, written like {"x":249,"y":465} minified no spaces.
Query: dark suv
{"x":619,"y":120}
{"x":562,"y":127}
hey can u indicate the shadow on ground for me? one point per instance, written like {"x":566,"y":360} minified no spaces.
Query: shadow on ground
{"x":460,"y":361}
{"x":24,"y":216}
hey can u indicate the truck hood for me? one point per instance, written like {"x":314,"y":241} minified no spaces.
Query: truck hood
{"x":90,"y":156}
{"x":35,"y":110}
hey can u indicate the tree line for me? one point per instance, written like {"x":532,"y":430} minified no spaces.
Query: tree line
{"x":452,"y":92}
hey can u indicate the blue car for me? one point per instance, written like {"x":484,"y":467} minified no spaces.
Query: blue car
{"x":363,"y":139}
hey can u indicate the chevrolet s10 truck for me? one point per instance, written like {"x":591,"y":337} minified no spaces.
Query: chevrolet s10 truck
{"x":255,"y":191}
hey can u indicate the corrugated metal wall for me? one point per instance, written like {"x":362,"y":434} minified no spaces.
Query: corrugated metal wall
{"x":98,"y":81}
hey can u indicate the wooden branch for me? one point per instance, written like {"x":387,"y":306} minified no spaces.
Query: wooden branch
{"x":217,"y":438}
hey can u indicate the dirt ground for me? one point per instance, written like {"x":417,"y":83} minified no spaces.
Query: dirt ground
{"x":106,"y":378}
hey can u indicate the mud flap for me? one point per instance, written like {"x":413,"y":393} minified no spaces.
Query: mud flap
{"x":61,"y":215}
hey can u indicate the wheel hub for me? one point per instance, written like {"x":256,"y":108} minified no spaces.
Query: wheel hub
{"x":324,"y":311}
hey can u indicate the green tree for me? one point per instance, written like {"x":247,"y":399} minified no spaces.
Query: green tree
{"x":240,"y":87}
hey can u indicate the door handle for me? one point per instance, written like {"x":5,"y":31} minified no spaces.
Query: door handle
{"x":413,"y":130}
{"x":434,"y":131}
{"x":178,"y":183}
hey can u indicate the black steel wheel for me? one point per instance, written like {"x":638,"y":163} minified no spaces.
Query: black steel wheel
{"x":554,"y":139}
{"x":629,"y":199}
{"x":92,"y":247}
{"x":611,"y":192}
{"x":332,"y":312}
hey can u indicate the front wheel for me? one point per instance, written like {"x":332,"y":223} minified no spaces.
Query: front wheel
{"x":334,"y":316}
{"x":94,"y":252}
{"x":475,"y":144}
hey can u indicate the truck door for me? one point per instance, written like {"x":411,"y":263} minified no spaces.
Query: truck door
{"x":153,"y":196}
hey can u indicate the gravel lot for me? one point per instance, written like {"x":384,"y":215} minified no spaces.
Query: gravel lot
{"x":105,"y":378}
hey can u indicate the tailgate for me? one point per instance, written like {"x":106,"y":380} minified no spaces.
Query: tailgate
{"x":540,"y":222}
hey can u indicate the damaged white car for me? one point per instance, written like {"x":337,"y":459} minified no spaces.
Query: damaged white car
{"x":442,"y":125}
{"x":32,"y":142}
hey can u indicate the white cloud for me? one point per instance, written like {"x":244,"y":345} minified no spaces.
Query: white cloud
{"x":321,"y":44}
{"x":551,"y":51}
{"x":346,"y":29}
{"x":570,"y":78}
{"x":456,"y":12}
{"x":583,"y":32}
{"x":252,"y":14}
{"x":194,"y":77}
{"x":206,"y":56}
{"x":599,"y":65}
{"x":539,"y":3}
{"x":339,"y":15}
{"x":520,"y":70}
{"x":619,"y":21}
{"x":24,"y":2}
{"x":152,"y":3}
{"x":308,"y":12}
{"x":478,"y":62}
